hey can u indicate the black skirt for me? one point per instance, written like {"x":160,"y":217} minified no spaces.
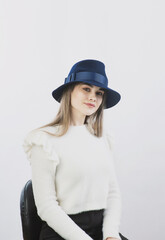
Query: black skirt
{"x":90,"y":221}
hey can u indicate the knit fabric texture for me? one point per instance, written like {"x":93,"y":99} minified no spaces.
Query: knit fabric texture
{"x":72,"y":174}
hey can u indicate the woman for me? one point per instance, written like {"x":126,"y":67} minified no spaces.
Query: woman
{"x":74,"y":183}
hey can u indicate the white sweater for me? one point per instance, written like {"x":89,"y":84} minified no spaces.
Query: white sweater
{"x":71,"y":174}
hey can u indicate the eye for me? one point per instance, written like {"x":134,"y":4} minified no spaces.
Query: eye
{"x":100,"y":93}
{"x":87,"y":89}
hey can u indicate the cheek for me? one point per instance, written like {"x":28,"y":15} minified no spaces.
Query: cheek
{"x":79,"y":96}
{"x":76,"y":98}
{"x":99,"y":101}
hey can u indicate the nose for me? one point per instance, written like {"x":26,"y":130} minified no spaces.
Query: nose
{"x":92,"y":96}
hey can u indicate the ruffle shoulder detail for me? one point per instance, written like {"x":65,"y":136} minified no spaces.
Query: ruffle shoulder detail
{"x":41,"y":138}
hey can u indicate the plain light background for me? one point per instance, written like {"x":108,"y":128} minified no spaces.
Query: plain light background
{"x":39,"y":43}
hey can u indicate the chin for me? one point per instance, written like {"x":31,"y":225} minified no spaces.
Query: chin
{"x":90,"y":113}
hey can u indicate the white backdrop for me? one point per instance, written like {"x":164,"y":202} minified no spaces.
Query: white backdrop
{"x":39,"y":42}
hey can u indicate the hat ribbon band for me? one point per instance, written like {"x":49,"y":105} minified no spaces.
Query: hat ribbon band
{"x":81,"y":76}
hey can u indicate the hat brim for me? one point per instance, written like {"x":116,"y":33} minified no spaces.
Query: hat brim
{"x":112,"y":97}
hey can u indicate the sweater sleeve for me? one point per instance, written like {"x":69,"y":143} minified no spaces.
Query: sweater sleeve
{"x":112,"y":214}
{"x":44,"y":162}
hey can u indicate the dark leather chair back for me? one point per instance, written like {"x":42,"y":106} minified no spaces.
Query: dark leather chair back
{"x":31,"y":222}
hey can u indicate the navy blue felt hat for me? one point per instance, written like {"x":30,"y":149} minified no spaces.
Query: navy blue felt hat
{"x":92,"y":72}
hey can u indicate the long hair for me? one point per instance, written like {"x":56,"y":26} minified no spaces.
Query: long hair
{"x":93,"y":122}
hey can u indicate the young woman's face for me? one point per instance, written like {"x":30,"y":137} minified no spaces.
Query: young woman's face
{"x":86,"y":99}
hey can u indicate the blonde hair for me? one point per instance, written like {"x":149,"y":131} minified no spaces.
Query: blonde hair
{"x":63,"y":118}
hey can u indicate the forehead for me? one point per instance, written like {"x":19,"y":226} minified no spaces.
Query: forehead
{"x":92,"y":86}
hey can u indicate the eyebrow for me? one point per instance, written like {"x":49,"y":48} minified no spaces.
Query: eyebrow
{"x":92,"y":86}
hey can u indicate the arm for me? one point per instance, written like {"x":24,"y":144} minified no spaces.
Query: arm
{"x":43,"y":180}
{"x":112,"y":213}
{"x":111,"y":219}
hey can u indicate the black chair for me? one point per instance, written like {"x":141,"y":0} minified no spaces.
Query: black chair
{"x":31,"y":222}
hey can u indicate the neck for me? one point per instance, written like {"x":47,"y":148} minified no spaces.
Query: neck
{"x":77,"y":122}
{"x":77,"y":119}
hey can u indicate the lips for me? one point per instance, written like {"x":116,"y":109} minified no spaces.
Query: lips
{"x":90,"y":104}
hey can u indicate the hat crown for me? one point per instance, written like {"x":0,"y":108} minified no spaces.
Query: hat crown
{"x":88,"y":65}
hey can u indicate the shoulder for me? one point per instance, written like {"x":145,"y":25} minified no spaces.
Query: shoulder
{"x":41,"y":137}
{"x":41,"y":132}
